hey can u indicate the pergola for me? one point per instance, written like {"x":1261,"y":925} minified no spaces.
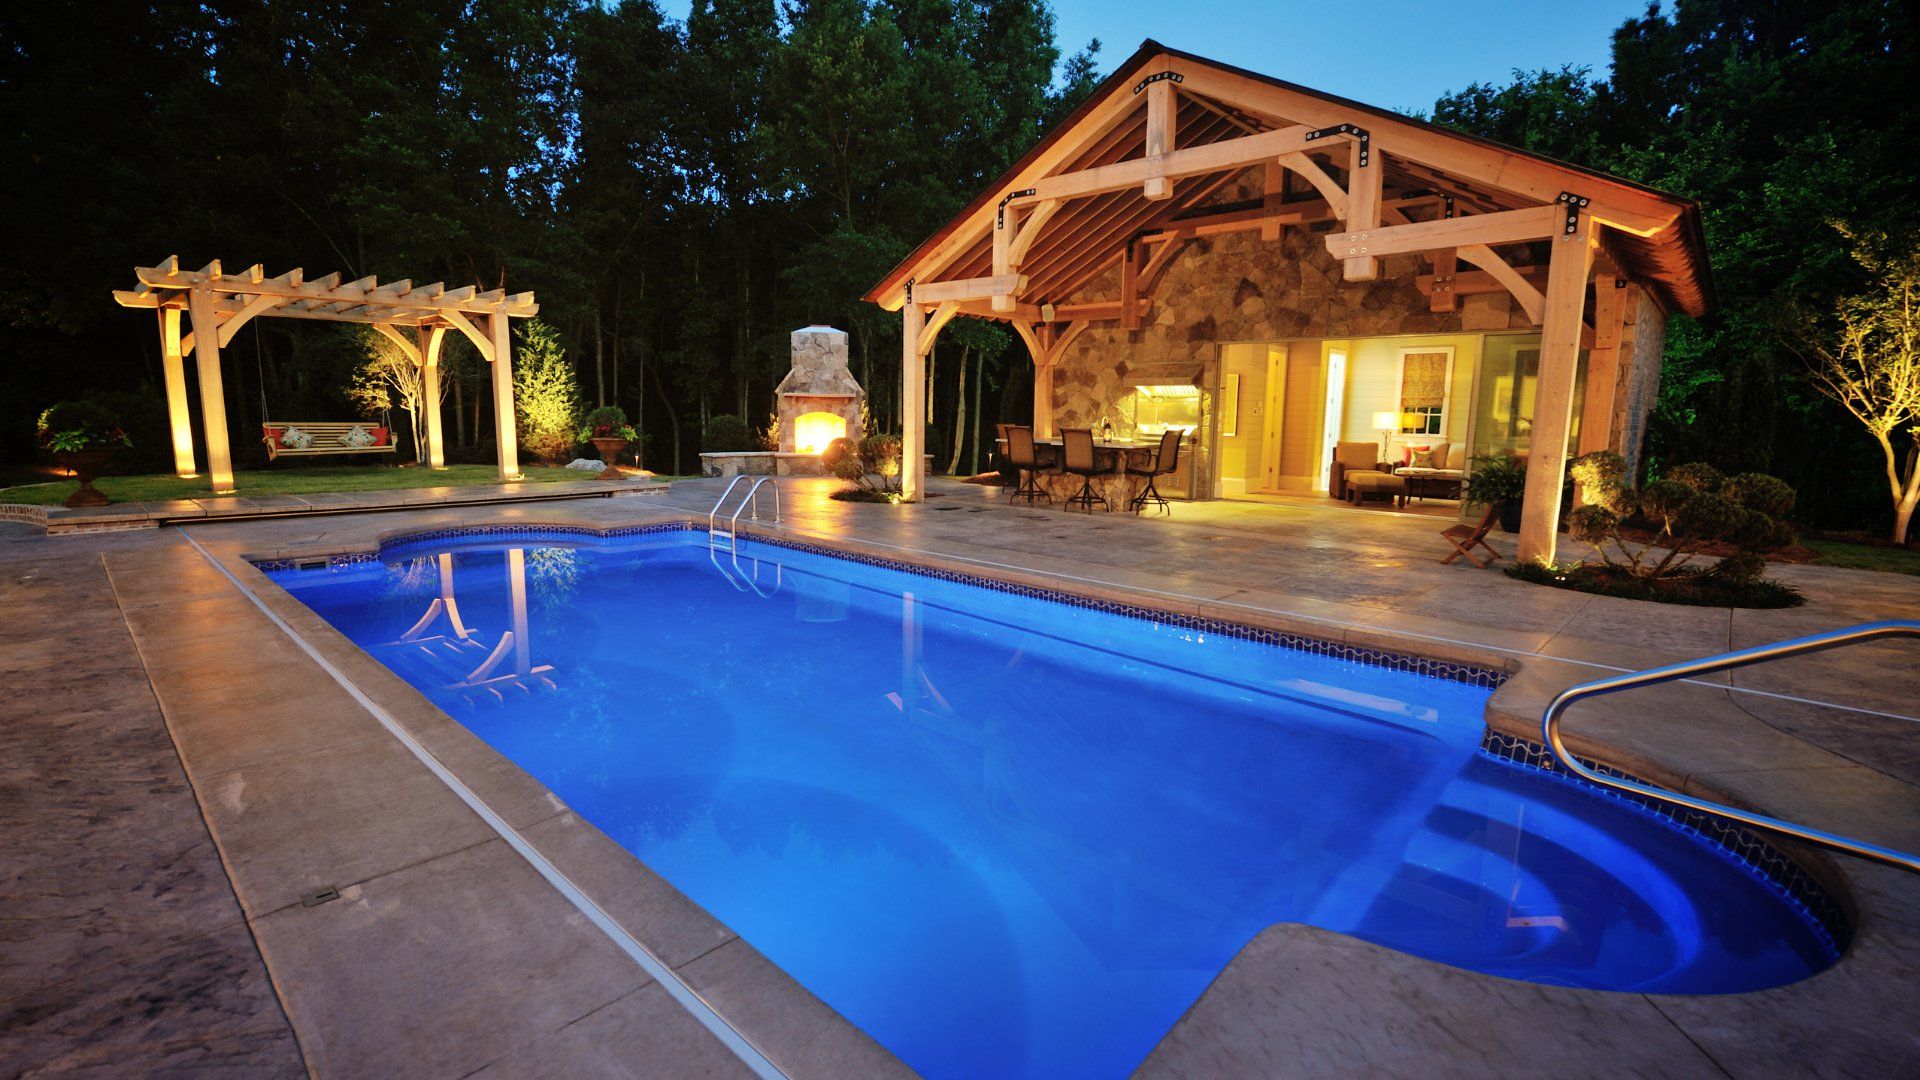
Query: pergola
{"x":1127,"y":179}
{"x":218,"y":304}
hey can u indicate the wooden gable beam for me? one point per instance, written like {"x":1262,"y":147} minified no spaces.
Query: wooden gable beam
{"x":1310,"y":171}
{"x":1365,"y":173}
{"x":1211,"y":157}
{"x":1035,"y":220}
{"x":1163,"y":118}
{"x":934,"y":292}
{"x":1619,"y":206}
{"x":1508,"y":227}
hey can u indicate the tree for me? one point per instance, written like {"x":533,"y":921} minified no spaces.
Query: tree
{"x":546,"y":393}
{"x":388,"y":376}
{"x":1867,"y":358}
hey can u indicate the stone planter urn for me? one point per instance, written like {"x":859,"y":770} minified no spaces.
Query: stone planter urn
{"x":86,"y":465}
{"x":609,"y":447}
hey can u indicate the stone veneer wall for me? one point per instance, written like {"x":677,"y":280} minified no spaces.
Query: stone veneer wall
{"x":1238,"y":287}
{"x":1639,"y":384}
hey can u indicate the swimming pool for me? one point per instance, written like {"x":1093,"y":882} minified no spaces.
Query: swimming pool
{"x":1011,"y":836}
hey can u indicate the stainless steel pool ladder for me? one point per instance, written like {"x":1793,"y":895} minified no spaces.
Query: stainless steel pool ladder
{"x":1759,"y":654}
{"x":752,"y":500}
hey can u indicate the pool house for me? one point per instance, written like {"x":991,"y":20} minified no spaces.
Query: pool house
{"x":1286,"y":276}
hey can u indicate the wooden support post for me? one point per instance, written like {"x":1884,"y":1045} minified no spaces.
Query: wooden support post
{"x":913,"y":404}
{"x":430,"y":340}
{"x":1163,"y":117}
{"x":1003,"y":229}
{"x":1043,"y":397}
{"x":1363,"y":205}
{"x":1130,"y":286}
{"x":1445,"y":269}
{"x":1273,"y":191}
{"x":506,"y":433}
{"x":213,"y":401}
{"x":174,"y":370}
{"x":1610,"y":297}
{"x":1567,"y":269}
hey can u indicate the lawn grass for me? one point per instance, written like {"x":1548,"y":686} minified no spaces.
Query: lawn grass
{"x":1852,"y":556}
{"x":298,"y":481}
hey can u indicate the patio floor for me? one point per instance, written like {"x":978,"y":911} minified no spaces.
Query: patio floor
{"x":165,"y":713}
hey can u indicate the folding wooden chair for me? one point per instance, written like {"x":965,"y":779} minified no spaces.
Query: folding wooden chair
{"x":1465,"y":538}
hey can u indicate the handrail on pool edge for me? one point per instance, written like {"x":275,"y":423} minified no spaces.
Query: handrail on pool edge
{"x":1832,"y":639}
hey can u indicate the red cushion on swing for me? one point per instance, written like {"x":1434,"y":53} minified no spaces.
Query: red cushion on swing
{"x":274,"y":433}
{"x":380,"y":435}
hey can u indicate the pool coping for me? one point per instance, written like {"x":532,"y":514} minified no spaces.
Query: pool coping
{"x":1507,"y":737}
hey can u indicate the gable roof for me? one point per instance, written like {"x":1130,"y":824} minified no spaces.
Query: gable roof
{"x":1655,"y":237}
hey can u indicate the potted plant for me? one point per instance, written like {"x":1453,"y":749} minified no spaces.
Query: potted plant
{"x":83,"y":437}
{"x":607,"y":429}
{"x":1498,"y":480}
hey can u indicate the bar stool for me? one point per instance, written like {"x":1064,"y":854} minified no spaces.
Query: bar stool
{"x":1076,"y":452}
{"x":1165,"y":460}
{"x":1026,"y":464}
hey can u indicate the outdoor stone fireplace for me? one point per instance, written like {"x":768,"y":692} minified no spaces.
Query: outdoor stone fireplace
{"x":818,"y":403}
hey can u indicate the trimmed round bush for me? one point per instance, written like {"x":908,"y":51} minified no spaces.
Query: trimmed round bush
{"x":1698,"y":476}
{"x":1761,"y":493}
{"x":727,"y":434}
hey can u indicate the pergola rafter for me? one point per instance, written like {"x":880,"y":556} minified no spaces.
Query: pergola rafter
{"x":217,"y":305}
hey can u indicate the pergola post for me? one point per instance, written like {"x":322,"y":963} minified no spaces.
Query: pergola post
{"x":174,"y":371}
{"x":430,"y":338}
{"x":505,"y":431}
{"x":213,"y":402}
{"x":1566,"y":301}
{"x":913,"y":403}
{"x":1042,"y":397}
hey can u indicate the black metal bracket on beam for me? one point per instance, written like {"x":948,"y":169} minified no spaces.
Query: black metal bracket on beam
{"x":1163,"y":76}
{"x":1448,"y":214}
{"x":1000,"y":212}
{"x":909,"y":288}
{"x":1360,"y":135}
{"x":1574,"y":204}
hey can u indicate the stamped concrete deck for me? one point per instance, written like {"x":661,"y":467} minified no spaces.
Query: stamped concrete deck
{"x":154,"y":513}
{"x":448,"y":953}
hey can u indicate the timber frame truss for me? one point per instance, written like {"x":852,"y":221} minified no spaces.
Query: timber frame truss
{"x":416,"y":319}
{"x":1131,"y":179}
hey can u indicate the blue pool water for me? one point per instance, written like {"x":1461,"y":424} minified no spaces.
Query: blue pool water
{"x":1009,"y":837}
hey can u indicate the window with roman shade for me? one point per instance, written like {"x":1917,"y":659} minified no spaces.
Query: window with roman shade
{"x":1423,"y":391}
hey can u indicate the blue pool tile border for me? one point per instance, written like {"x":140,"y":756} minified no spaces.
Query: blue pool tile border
{"x":1744,"y":846}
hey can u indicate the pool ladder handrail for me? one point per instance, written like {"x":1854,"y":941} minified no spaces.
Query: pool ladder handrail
{"x":751,"y":500}
{"x":1759,"y":654}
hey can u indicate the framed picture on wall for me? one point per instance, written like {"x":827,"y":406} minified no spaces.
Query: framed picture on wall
{"x":1230,"y":405}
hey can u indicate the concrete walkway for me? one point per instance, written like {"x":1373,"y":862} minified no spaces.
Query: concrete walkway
{"x":447,"y":954}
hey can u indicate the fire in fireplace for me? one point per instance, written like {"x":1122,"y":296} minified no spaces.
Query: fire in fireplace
{"x":813,"y":431}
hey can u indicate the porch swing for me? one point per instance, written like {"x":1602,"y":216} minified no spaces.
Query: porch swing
{"x":315,"y":438}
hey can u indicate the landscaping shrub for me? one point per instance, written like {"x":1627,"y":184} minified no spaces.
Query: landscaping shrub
{"x":1660,"y":527}
{"x":76,"y":425}
{"x":546,"y":394}
{"x":876,"y":456}
{"x":727,"y":434}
